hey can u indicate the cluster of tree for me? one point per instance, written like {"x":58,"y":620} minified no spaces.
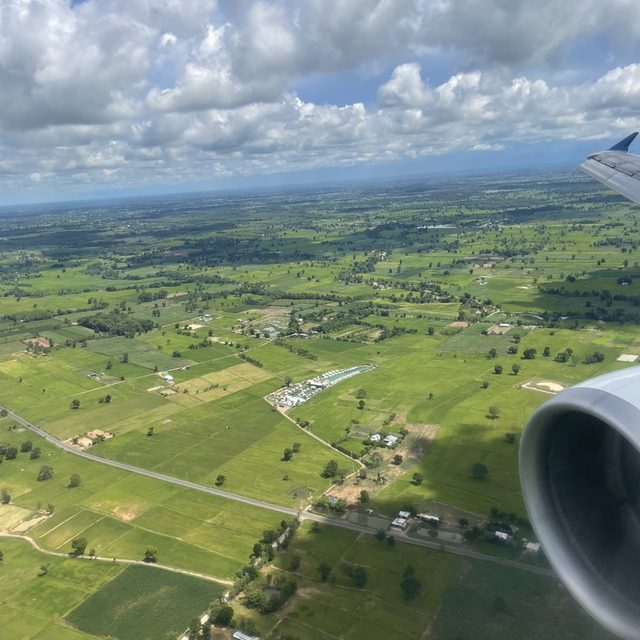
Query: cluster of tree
{"x":596,"y":356}
{"x":357,"y":575}
{"x":289,"y":451}
{"x":387,"y":333}
{"x":117,"y":324}
{"x":148,"y":296}
{"x":10,"y":452}
{"x":280,"y":590}
{"x":564,"y":356}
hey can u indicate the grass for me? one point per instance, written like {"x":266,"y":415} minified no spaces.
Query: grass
{"x":34,"y":606}
{"x":143,"y":604}
{"x":121,"y":514}
{"x":488,"y":602}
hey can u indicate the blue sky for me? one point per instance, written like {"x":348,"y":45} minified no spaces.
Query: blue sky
{"x":150,"y":96}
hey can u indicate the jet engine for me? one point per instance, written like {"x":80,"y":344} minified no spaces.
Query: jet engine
{"x":580,"y":476}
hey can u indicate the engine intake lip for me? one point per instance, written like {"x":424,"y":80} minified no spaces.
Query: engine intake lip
{"x":584,"y":444}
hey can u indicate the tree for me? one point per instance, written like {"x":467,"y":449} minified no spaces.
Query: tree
{"x":484,"y":385}
{"x":149,"y":432}
{"x":74,"y":481}
{"x":75,"y":403}
{"x":430,"y":331}
{"x":417,"y":478}
{"x":78,"y":546}
{"x":397,"y":459}
{"x":497,"y":369}
{"x":380,"y":535}
{"x":10,"y":453}
{"x":357,"y":574}
{"x":492,"y":353}
{"x":150,"y":555}
{"x":1,"y":555}
{"x":494,"y":412}
{"x":546,"y":352}
{"x":27,"y":445}
{"x":220,"y":480}
{"x":324,"y":570}
{"x":529,"y":354}
{"x":361,"y":393}
{"x":515,"y":368}
{"x":296,"y":446}
{"x":35,"y":453}
{"x":361,"y":404}
{"x":222,"y":615}
{"x":463,"y":522}
{"x":409,"y":584}
{"x":330,"y":470}
{"x":287,"y":381}
{"x":107,"y":398}
{"x":109,"y":365}
{"x":391,"y":541}
{"x":6,"y":496}
{"x":364,"y":496}
{"x":124,"y":358}
{"x":287,"y":455}
{"x":45,"y":473}
{"x":479,"y":471}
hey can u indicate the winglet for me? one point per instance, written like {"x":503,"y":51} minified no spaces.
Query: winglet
{"x":623,"y":145}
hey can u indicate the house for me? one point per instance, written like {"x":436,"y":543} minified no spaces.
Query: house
{"x":167,"y":377}
{"x":503,"y":536}
{"x":532,"y":547}
{"x":376,"y":437}
{"x":239,"y":635}
{"x":390,"y":440}
{"x":404,"y":514}
{"x":399,"y":523}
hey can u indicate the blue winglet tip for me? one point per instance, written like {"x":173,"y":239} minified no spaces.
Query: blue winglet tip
{"x":623,"y":145}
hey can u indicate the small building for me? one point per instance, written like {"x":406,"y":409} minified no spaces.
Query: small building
{"x":375,"y":437}
{"x":427,"y":517}
{"x":399,"y":523}
{"x":390,"y":440}
{"x":532,"y":547}
{"x":240,"y":635}
{"x":503,"y":536}
{"x":167,"y":377}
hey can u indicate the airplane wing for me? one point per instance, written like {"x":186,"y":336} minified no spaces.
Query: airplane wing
{"x":616,"y":169}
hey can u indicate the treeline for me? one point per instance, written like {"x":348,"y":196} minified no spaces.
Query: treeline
{"x":299,"y":351}
{"x":116,"y":324}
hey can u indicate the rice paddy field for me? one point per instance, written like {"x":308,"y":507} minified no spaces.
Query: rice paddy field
{"x":472,"y":300}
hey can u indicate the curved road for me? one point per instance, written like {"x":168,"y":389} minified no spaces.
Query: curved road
{"x":303,"y":515}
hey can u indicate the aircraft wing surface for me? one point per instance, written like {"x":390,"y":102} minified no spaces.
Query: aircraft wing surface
{"x":617,"y":169}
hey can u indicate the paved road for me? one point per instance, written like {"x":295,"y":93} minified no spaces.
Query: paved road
{"x":304,"y":515}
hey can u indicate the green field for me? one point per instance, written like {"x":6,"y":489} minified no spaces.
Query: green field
{"x":239,"y":296}
{"x":143,"y":604}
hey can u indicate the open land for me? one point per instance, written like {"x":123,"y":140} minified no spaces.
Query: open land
{"x":471,"y":302}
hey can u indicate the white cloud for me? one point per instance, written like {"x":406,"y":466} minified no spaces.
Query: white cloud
{"x":126,"y":91}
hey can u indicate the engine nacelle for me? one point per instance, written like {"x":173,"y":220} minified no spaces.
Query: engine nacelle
{"x":580,"y":476}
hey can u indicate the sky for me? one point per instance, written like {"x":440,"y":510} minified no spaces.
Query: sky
{"x":116,"y":97}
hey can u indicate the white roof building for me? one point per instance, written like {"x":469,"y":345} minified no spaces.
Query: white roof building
{"x":399,"y":523}
{"x":239,"y":635}
{"x":404,"y":514}
{"x":502,"y":535}
{"x":533,"y":547}
{"x":390,"y":440}
{"x":376,"y":437}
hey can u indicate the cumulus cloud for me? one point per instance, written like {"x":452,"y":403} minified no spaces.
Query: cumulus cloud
{"x":127,"y":91}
